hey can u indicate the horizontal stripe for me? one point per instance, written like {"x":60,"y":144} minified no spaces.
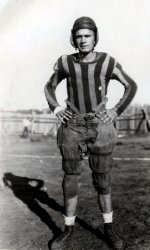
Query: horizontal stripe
{"x":59,"y":157}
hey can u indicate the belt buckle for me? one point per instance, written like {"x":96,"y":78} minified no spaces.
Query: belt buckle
{"x":89,"y":116}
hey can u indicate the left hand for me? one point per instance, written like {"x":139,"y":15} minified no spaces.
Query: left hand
{"x":64,"y":115}
{"x":108,"y":116}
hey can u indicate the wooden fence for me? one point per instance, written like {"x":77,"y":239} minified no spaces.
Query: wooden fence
{"x":127,"y":123}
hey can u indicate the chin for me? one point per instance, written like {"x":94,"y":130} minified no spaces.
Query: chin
{"x":84,"y":51}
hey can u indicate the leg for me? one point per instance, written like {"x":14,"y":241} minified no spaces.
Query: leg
{"x":70,"y":185}
{"x":100,"y":162}
{"x":102,"y":185}
{"x":72,"y":166}
{"x":101,"y":165}
{"x":70,"y":189}
{"x":105,"y":203}
{"x":71,"y":206}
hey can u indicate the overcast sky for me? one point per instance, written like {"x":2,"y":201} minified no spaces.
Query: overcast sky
{"x":34,"y":33}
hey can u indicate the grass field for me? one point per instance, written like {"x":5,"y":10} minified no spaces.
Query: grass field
{"x":31,"y":202}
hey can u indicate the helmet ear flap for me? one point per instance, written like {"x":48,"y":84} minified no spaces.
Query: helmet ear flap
{"x":72,"y":41}
{"x":96,"y":38}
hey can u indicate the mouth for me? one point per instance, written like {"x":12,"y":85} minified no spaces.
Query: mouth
{"x":83,"y":46}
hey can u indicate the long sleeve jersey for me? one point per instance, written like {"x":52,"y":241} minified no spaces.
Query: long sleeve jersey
{"x":87,"y":82}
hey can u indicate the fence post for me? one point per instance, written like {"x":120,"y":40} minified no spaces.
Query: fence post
{"x":132,"y":121}
{"x":32,"y":121}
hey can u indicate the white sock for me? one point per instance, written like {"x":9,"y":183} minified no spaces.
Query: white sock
{"x":108,"y":217}
{"x":69,"y":221}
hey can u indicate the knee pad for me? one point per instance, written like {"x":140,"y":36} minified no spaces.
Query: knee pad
{"x":72,"y":167}
{"x":101,"y":182}
{"x":70,"y":185}
{"x":101,"y":160}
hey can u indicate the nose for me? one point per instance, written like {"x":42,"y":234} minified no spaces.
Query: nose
{"x":83,"y":39}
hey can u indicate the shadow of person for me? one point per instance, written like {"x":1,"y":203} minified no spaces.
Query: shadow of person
{"x":29,"y":191}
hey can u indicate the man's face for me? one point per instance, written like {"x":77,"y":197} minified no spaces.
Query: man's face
{"x":85,"y":40}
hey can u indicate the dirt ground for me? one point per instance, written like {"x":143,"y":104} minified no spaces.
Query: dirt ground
{"x":31,"y":202}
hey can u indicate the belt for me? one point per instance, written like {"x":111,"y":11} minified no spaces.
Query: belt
{"x":91,"y":115}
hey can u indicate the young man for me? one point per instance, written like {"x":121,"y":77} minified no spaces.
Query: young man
{"x":87,"y":126}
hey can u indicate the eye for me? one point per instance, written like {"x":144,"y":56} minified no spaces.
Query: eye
{"x":78,"y":36}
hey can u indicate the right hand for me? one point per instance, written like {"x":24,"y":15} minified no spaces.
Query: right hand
{"x":108,"y":116}
{"x":64,"y":115}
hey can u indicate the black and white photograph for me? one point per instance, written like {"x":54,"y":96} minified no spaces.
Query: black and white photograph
{"x":74,"y":125}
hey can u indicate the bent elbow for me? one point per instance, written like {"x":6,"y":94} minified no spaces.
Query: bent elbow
{"x":134,"y":88}
{"x":45,"y":89}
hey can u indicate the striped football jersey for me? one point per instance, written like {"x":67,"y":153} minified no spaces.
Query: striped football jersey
{"x":87,"y":82}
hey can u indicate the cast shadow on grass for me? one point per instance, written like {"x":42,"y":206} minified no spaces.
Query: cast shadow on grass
{"x":30,"y":192}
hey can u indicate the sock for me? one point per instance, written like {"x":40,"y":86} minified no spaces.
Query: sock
{"x":69,"y":221}
{"x":108,"y":217}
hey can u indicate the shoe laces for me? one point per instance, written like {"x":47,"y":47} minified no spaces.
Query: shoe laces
{"x":68,"y":231}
